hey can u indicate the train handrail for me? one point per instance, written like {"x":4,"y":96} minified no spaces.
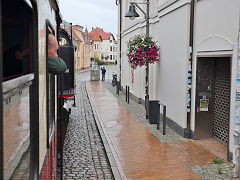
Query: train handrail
{"x":16,"y":85}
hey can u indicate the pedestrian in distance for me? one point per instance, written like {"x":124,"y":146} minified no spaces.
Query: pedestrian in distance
{"x":103,"y":73}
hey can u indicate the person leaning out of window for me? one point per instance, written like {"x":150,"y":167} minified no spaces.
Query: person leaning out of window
{"x":55,"y":64}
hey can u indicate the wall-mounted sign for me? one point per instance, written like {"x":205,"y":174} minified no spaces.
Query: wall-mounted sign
{"x":204,"y":104}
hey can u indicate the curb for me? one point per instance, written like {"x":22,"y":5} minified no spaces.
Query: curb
{"x":84,"y":70}
{"x":108,"y":151}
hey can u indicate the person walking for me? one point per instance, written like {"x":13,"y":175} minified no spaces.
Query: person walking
{"x":103,"y":73}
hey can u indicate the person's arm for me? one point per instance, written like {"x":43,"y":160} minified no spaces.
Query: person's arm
{"x":56,"y":65}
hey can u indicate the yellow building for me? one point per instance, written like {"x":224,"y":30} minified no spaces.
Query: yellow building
{"x":84,"y":47}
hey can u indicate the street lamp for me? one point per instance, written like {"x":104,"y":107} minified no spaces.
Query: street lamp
{"x":132,"y":14}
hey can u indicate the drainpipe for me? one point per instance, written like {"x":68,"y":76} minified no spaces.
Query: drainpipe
{"x":120,"y":43}
{"x":236,"y":133}
{"x":187,"y":132}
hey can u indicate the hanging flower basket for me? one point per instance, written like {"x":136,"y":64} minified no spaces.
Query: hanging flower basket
{"x":142,"y":50}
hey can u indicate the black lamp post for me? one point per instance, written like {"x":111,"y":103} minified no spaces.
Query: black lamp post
{"x":132,"y":14}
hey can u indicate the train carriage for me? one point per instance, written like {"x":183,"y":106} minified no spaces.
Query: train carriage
{"x":28,"y":93}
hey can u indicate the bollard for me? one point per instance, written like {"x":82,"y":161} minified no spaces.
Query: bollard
{"x":126,"y":93}
{"x":158,"y":119}
{"x":117,"y":90}
{"x":128,"y":96}
{"x":164,"y":119}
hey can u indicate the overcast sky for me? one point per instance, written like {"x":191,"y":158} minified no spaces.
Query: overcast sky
{"x":101,"y":13}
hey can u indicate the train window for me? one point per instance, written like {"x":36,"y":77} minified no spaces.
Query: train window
{"x":17,"y":68}
{"x":17,"y":45}
{"x":51,"y":93}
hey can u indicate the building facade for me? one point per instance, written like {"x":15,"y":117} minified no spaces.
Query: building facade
{"x":84,"y":49}
{"x":104,"y":45}
{"x":196,"y":75}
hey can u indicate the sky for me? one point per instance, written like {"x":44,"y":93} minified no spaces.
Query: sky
{"x":91,"y":13}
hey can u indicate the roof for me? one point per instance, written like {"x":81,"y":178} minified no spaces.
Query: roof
{"x":97,"y":34}
{"x":77,"y":25}
{"x":75,"y":36}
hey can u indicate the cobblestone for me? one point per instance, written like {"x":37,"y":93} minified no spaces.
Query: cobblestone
{"x":23,"y":168}
{"x":83,"y":153}
{"x":214,"y":171}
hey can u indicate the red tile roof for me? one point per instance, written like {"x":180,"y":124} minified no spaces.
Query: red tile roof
{"x":98,"y":33}
{"x":95,"y":36}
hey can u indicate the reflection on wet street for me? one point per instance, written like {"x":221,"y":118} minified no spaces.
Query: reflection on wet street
{"x":138,"y":153}
{"x":84,"y":75}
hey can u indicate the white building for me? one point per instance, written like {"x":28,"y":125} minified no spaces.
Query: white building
{"x":106,"y":45}
{"x":210,"y":78}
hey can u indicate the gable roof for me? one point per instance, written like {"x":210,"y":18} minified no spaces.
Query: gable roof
{"x":97,"y":34}
{"x":75,"y":36}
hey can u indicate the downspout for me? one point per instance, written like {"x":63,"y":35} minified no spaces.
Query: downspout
{"x":1,"y":99}
{"x":187,"y":132}
{"x":236,"y":133}
{"x":120,"y":43}
{"x":83,"y":54}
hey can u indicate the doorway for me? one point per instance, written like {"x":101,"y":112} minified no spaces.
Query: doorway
{"x":212,"y":110}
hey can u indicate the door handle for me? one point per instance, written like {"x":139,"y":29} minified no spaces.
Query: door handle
{"x":198,"y":109}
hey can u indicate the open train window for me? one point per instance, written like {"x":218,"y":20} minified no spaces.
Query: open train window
{"x":17,"y":88}
{"x":17,"y":39}
{"x":51,"y":93}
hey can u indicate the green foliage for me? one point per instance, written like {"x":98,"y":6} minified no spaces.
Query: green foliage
{"x":220,"y":170}
{"x":99,"y":62}
{"x":217,"y":161}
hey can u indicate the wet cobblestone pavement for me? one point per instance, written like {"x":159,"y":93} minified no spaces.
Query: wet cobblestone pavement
{"x":83,"y":154}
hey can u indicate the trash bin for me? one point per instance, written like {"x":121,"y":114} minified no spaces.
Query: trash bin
{"x":154,"y":113}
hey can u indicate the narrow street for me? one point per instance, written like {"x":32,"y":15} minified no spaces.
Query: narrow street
{"x":124,"y":89}
{"x":83,"y":154}
{"x":124,"y":129}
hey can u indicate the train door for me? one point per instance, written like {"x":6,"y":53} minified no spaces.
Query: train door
{"x":19,"y":105}
{"x":213,"y":98}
